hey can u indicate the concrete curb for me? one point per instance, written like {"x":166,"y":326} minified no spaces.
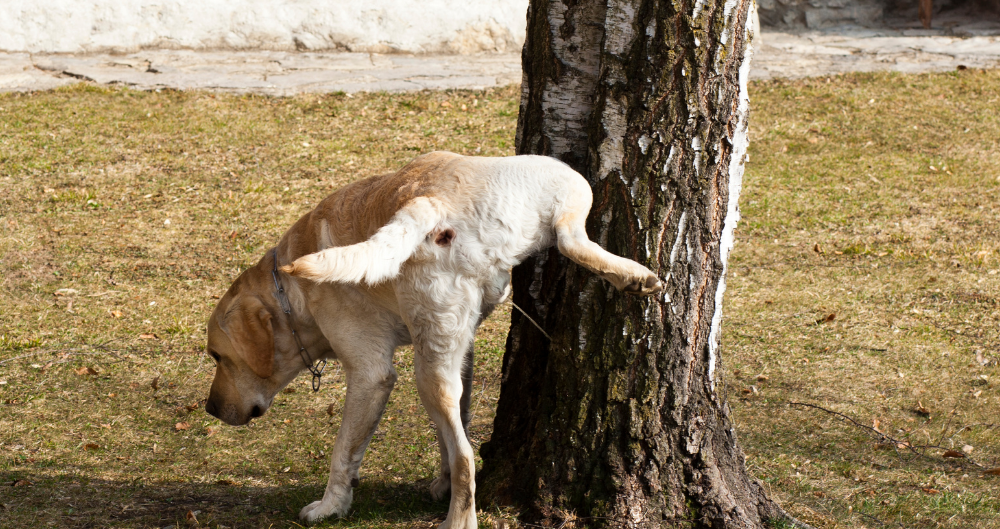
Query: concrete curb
{"x":780,"y":55}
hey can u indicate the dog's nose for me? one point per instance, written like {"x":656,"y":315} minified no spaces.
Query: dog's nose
{"x":212,"y":409}
{"x":256,"y":412}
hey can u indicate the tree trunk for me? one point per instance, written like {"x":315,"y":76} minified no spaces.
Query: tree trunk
{"x":617,"y":421}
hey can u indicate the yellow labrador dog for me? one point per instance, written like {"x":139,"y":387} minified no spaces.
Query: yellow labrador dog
{"x":419,"y":256}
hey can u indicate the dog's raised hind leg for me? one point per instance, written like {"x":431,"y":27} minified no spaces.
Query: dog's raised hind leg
{"x":571,"y":232}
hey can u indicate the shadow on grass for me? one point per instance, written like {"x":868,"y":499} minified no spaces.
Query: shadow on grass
{"x":77,"y":501}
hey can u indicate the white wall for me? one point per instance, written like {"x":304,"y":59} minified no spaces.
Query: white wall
{"x":383,"y":26}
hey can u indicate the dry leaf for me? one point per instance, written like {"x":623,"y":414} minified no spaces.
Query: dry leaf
{"x":91,"y":446}
{"x":875,"y":425}
{"x":921,"y":410}
{"x":762,"y":378}
{"x":827,"y":319}
{"x":968,"y":449}
{"x":155,"y":384}
{"x":817,"y":248}
{"x":181,"y":426}
{"x":289,"y":390}
{"x":331,"y":410}
{"x":85,"y":371}
{"x":210,"y":431}
{"x":929,"y":490}
{"x":190,"y":518}
{"x":993,"y":471}
{"x":225,"y":482}
{"x":953,"y":454}
{"x":21,"y":483}
{"x":446,"y":104}
{"x":191,"y":407}
{"x":148,"y":336}
{"x":819,"y":494}
{"x":116,"y":314}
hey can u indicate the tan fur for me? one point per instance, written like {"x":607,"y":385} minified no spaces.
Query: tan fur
{"x":435,"y":307}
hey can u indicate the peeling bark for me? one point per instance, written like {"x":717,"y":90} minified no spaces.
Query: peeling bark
{"x":617,"y":421}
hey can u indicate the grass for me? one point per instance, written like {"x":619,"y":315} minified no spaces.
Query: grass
{"x":843,"y":215}
{"x":865,"y":280}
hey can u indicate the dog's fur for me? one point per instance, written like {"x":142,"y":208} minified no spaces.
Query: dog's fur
{"x":420,"y":256}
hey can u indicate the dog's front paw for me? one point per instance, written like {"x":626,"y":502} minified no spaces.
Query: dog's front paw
{"x":466,"y":520}
{"x":644,"y":286}
{"x":326,"y":507}
{"x":317,"y":510}
{"x":440,"y":487}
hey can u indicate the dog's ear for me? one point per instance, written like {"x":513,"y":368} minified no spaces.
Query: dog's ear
{"x":250,"y":331}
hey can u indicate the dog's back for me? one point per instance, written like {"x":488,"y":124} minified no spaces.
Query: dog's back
{"x":474,"y":215}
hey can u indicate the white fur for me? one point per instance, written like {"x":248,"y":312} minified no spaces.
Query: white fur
{"x":400,"y":286}
{"x":380,"y":257}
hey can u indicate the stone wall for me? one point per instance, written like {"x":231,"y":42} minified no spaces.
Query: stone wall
{"x":382,"y":26}
{"x":815,"y":14}
{"x":820,"y":14}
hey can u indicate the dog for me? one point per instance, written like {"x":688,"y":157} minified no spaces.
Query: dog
{"x":420,"y":256}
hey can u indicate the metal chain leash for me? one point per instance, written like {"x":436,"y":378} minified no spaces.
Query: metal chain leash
{"x":317,"y":367}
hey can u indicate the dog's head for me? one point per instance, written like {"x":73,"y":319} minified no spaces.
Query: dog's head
{"x":250,"y":365}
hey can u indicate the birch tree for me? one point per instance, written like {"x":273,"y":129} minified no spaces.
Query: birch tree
{"x":613,"y":415}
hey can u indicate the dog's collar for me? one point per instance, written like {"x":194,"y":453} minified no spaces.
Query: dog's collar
{"x":317,"y":367}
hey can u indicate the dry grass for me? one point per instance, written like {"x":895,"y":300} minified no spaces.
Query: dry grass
{"x":93,"y":276}
{"x":875,"y":199}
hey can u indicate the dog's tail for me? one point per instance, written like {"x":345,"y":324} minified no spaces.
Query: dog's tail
{"x":380,"y":257}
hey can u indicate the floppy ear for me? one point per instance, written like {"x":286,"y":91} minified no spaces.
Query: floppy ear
{"x":249,"y":329}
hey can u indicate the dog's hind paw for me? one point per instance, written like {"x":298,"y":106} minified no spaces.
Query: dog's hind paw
{"x":440,"y":487}
{"x":644,"y":286}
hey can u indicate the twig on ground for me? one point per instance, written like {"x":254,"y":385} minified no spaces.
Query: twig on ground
{"x":988,"y":426}
{"x":951,"y":415}
{"x":882,"y":438}
{"x":879,"y":520}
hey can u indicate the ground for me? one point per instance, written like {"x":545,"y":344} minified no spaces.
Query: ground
{"x":776,"y":56}
{"x":864,"y":281}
